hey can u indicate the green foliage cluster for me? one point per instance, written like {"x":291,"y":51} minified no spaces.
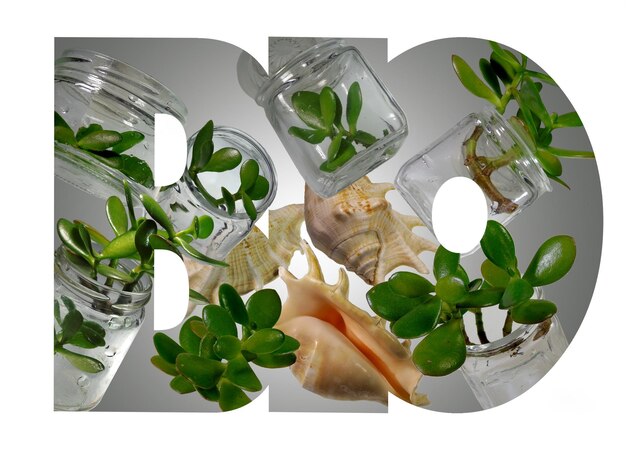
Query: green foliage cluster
{"x":213,"y":357}
{"x":253,"y":187}
{"x":107,"y":147}
{"x":417,"y":308}
{"x":323,"y":113}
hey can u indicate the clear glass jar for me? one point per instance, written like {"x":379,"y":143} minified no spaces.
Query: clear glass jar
{"x":333,"y":64}
{"x":111,"y":310}
{"x":502,"y":370}
{"x":483,"y":147}
{"x":183,"y":200}
{"x":92,"y":88}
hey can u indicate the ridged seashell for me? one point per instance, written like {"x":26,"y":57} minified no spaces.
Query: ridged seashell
{"x":254,"y":262}
{"x":345,"y":353}
{"x":358,"y":229}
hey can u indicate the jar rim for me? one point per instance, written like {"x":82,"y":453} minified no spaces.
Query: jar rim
{"x":269,"y":198}
{"x":133,"y":80}
{"x":133,"y":300}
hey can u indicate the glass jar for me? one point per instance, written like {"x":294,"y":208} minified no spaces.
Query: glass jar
{"x":310,"y":66}
{"x":500,"y":371}
{"x":185,"y":199}
{"x":92,"y":88}
{"x":487,"y":149}
{"x":85,"y":368}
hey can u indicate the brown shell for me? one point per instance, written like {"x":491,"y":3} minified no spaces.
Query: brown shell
{"x":358,"y":229}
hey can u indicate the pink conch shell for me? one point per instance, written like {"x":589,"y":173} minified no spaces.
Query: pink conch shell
{"x":254,"y":262}
{"x":358,"y":229}
{"x":344,"y":353}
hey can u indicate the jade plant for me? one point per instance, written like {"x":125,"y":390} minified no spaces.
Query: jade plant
{"x":73,"y":329}
{"x":253,"y":186}
{"x":507,"y":80}
{"x":108,"y":147}
{"x":135,"y":238}
{"x":416,"y":308}
{"x":322,"y":113}
{"x":213,"y":356}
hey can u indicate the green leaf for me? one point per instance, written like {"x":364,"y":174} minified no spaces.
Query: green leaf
{"x":485,"y":297}
{"x":218,"y":321}
{"x":231,"y":301}
{"x":472,"y":83}
{"x":241,"y":374}
{"x":79,"y":340}
{"x":69,"y":235}
{"x":84,"y":131}
{"x":205,"y":226}
{"x":532,"y":98}
{"x":70,"y":325}
{"x":346,"y":152}
{"x":113,"y":273}
{"x":568,"y":120}
{"x":129,"y":204}
{"x":365,"y":138}
{"x":163,"y":365}
{"x":445,"y":262}
{"x":191,"y":251}
{"x":260,"y":189}
{"x":116,"y":215}
{"x":264,"y":307}
{"x":57,"y":312}
{"x":211,"y":394}
{"x":498,"y":246}
{"x":275,"y":361}
{"x":206,"y":346}
{"x":249,"y":207}
{"x":553,"y":260}
{"x":442,"y":351}
{"x":82,"y":362}
{"x":100,"y":140}
{"x":502,"y":69}
{"x":419,"y":321}
{"x":85,"y":238}
{"x":289,"y":345}
{"x":549,"y":162}
{"x":64,"y":135}
{"x":494,"y":275}
{"x":264,"y":341}
{"x":231,"y":397}
{"x":224,"y":159}
{"x":167,"y":348}
{"x":202,"y":148}
{"x":386,"y":303}
{"x":312,"y":136}
{"x":338,"y":112}
{"x":410,"y":284}
{"x":182,"y":385}
{"x":533,"y":311}
{"x":198,"y":297}
{"x":328,"y":106}
{"x":518,"y":291}
{"x":69,"y":303}
{"x":158,"y":214}
{"x":249,"y":173}
{"x":227,"y":347}
{"x":541,"y":76}
{"x":333,"y":147}
{"x":129,"y":139}
{"x":189,"y":341}
{"x":202,"y":372}
{"x":565,"y":153}
{"x":451,"y":289}
{"x":229,"y":200}
{"x":60,"y":122}
{"x":122,"y":246}
{"x":306,"y":104}
{"x":353,"y":106}
{"x":146,"y":229}
{"x":490,"y":76}
{"x":157,"y":242}
{"x":506,"y":56}
{"x":137,"y":170}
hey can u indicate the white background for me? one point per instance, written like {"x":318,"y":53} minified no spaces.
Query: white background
{"x":572,"y":417}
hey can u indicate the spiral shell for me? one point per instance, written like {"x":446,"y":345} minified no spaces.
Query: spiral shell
{"x":345,"y":353}
{"x":358,"y":229}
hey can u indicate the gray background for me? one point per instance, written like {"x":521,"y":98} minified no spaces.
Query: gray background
{"x":202,"y":73}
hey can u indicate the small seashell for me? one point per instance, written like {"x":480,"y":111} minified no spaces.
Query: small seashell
{"x":255,"y":261}
{"x":358,"y":229}
{"x":345,"y":353}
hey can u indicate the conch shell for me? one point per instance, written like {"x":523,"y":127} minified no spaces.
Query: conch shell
{"x":254,"y":262}
{"x":344,"y":354}
{"x":358,"y":229}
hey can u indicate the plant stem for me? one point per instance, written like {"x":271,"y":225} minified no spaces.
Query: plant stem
{"x":508,"y":324}
{"x":480,"y":327}
{"x":481,"y":173}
